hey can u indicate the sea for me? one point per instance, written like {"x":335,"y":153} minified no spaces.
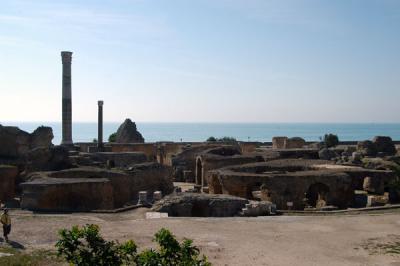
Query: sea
{"x":188,"y":132}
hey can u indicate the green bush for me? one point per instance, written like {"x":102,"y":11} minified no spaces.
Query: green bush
{"x":85,"y":246}
{"x":227,"y":140}
{"x":223,"y":139}
{"x":112,"y":137}
{"x":331,"y":140}
{"x":211,"y":139}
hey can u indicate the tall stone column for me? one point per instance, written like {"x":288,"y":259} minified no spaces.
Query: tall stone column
{"x":66,"y":99}
{"x":100,"y":126}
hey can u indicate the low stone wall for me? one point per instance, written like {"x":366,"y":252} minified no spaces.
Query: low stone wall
{"x":248,"y":147}
{"x":85,"y":184}
{"x":149,"y":149}
{"x":120,"y":159}
{"x":61,"y":194}
{"x":294,"y":143}
{"x":8,"y":175}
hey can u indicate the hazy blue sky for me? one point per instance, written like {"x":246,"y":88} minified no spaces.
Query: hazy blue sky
{"x":206,"y":60}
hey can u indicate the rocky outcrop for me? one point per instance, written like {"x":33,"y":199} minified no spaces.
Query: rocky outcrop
{"x":127,"y":133}
{"x":16,"y":143}
{"x":200,"y":205}
{"x":32,"y":152}
{"x":42,"y":137}
{"x":8,"y":175}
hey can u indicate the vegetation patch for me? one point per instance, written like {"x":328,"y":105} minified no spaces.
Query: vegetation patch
{"x":32,"y":258}
{"x":389,"y":245}
{"x":85,"y":246}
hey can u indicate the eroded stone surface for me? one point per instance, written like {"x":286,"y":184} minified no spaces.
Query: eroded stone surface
{"x":128,"y":133}
{"x":17,"y":143}
{"x":200,"y":205}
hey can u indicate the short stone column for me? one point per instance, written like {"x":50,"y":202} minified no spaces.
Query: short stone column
{"x":100,"y":126}
{"x":66,"y":99}
{"x":157,"y":195}
{"x":142,"y":198}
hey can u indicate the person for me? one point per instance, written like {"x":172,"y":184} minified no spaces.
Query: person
{"x":6,"y":222}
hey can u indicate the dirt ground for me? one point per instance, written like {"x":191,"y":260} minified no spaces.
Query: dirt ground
{"x":279,"y":240}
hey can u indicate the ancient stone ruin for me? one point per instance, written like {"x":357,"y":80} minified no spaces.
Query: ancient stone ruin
{"x":127,"y":133}
{"x":199,"y":179}
{"x":92,"y":188}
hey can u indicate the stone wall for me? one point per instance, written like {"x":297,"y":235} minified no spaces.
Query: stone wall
{"x":248,"y":147}
{"x":291,"y":180}
{"x":278,"y":142}
{"x":294,"y":143}
{"x":8,"y":175}
{"x":86,"y":185}
{"x":120,"y":159}
{"x":73,"y":194}
{"x":206,"y":162}
{"x":149,"y":149}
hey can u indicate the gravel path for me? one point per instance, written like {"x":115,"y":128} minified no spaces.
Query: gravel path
{"x":281,"y":240}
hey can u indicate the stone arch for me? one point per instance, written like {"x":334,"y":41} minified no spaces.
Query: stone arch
{"x":199,"y":171}
{"x":316,"y":193}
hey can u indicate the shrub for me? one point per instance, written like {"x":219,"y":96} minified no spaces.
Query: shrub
{"x":228,"y":140}
{"x":211,"y":139}
{"x":85,"y":246}
{"x":331,"y":140}
{"x":112,"y":137}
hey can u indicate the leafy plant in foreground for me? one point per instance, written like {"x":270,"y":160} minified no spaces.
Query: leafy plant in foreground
{"x":84,"y":246}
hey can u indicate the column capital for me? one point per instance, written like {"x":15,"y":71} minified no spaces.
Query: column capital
{"x":66,"y":57}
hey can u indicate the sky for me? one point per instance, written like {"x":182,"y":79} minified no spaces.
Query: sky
{"x":202,"y":60}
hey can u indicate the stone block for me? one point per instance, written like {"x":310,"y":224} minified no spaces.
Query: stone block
{"x":157,"y":195}
{"x":142,"y":197}
{"x":294,"y":143}
{"x":278,"y":142}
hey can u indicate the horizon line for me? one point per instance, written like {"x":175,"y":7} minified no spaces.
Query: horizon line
{"x":210,"y":122}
